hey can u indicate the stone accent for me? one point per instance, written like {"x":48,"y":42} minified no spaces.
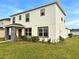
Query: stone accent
{"x":6,"y":33}
{"x":13,"y":34}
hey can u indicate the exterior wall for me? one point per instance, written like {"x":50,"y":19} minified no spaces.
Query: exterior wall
{"x":3,"y":23}
{"x":60,"y":25}
{"x":2,"y":33}
{"x":67,"y":31}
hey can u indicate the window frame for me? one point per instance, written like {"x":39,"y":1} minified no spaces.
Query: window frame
{"x":43,"y":31}
{"x":13,"y":20}
{"x":42,"y":12}
{"x":27,"y":17}
{"x":29,"y":32}
{"x":62,"y":19}
{"x":20,"y":17}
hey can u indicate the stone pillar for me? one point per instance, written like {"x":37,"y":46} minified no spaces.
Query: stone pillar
{"x":13,"y":34}
{"x":6,"y":33}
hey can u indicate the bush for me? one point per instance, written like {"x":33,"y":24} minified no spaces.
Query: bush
{"x":70,"y":35}
{"x":61,"y":38}
{"x":23,"y":38}
{"x":49,"y":41}
{"x":35,"y":38}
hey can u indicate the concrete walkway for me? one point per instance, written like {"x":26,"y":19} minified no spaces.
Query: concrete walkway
{"x":5,"y":41}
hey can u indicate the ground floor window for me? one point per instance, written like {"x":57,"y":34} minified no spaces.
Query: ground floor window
{"x":43,"y":31}
{"x":28,"y":31}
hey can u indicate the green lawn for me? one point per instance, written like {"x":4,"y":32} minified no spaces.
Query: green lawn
{"x":69,"y":49}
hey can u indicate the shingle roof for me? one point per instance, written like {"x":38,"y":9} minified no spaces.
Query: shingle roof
{"x":74,"y":29}
{"x":8,"y":19}
{"x":40,"y":7}
{"x":15,"y":25}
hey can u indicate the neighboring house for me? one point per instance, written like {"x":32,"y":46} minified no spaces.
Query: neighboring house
{"x":68,"y":31}
{"x":3,"y":23}
{"x":46,"y":21}
{"x":75,"y":31}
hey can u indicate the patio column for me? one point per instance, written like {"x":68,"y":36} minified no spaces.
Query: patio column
{"x":23,"y":31}
{"x":13,"y":33}
{"x":6,"y":33}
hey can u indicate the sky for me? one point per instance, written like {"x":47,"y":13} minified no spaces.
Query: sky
{"x":71,"y":8}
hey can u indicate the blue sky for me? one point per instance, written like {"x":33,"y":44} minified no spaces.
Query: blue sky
{"x":71,"y":8}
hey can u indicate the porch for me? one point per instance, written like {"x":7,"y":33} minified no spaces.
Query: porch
{"x":13,"y":31}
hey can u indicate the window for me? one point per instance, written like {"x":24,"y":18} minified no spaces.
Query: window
{"x":43,"y":31}
{"x":62,"y":19}
{"x":27,"y":17}
{"x":28,"y":31}
{"x":20,"y":17}
{"x":13,"y":20}
{"x":42,"y":12}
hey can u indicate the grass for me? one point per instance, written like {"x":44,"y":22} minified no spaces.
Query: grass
{"x":69,"y":49}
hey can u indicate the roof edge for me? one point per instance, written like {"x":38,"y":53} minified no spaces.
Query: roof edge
{"x":40,"y":7}
{"x":7,"y":19}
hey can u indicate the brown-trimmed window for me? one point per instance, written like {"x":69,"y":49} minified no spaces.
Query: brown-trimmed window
{"x":28,"y":31}
{"x":27,"y":16}
{"x":13,"y":20}
{"x":43,"y":31}
{"x":42,"y":12}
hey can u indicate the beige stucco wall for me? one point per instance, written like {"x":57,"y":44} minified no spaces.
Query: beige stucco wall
{"x":1,"y":22}
{"x":5,"y":22}
{"x":2,"y":33}
{"x":52,"y":19}
{"x":2,"y":30}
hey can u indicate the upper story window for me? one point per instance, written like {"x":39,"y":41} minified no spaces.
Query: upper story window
{"x":13,"y":20}
{"x":27,"y":17}
{"x":20,"y":17}
{"x":42,"y":12}
{"x":62,"y":19}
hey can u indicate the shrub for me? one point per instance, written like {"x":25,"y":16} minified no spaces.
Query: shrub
{"x":23,"y":38}
{"x":61,"y":38}
{"x":35,"y":38}
{"x":70,"y":35}
{"x":49,"y":41}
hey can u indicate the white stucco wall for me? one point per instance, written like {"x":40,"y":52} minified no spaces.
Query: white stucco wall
{"x":60,"y":25}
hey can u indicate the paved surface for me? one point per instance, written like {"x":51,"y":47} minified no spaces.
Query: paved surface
{"x":5,"y":41}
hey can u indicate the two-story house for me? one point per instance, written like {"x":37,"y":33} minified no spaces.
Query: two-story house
{"x":46,"y":21}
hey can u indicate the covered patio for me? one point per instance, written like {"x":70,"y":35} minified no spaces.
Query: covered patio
{"x":13,"y":31}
